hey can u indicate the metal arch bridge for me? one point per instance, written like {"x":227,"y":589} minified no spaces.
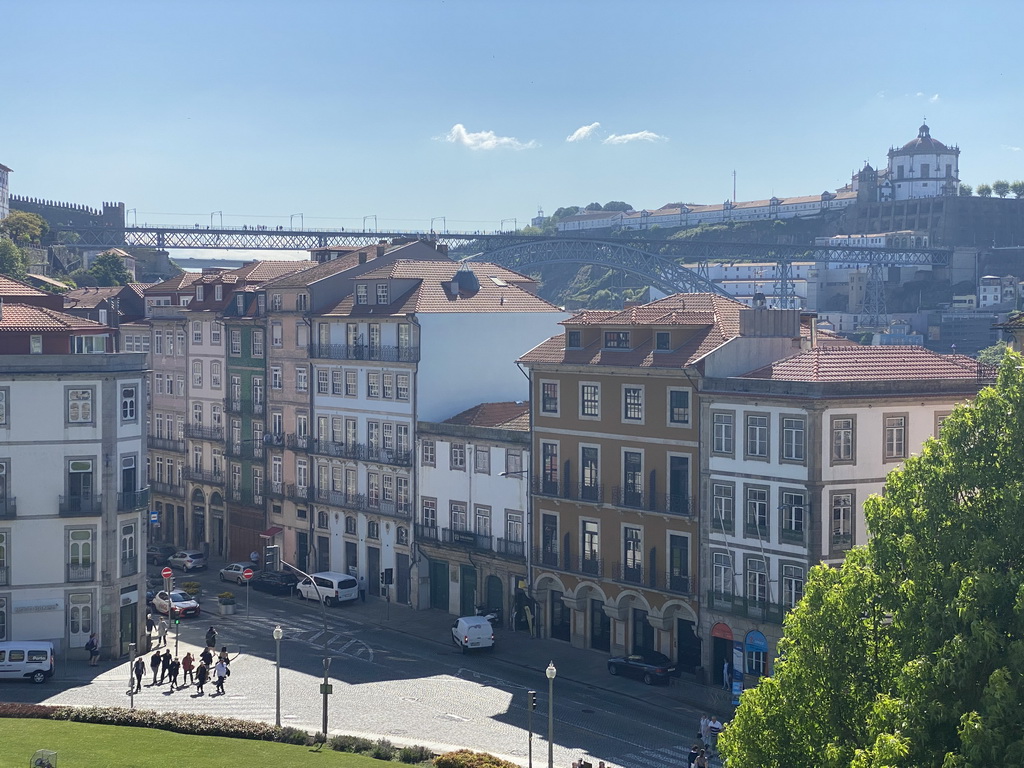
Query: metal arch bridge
{"x":655,"y":262}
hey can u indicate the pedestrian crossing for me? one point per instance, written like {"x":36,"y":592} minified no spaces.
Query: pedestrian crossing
{"x":669,"y":757}
{"x":311,"y":632}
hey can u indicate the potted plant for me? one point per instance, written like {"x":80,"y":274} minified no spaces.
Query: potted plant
{"x":192,"y":588}
{"x":227,"y":603}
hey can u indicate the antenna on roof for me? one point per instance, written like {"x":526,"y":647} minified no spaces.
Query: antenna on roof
{"x":734,"y":186}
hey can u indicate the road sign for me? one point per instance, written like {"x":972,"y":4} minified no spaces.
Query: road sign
{"x":247,"y":574}
{"x":167,"y":572}
{"x":154,"y":517}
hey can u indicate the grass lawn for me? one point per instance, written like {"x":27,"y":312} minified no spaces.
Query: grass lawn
{"x":84,"y":745}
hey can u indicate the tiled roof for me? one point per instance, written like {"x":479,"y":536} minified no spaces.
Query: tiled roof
{"x":508,"y":415}
{"x":90,"y":296}
{"x":48,"y":280}
{"x":176,"y":283}
{"x":874,"y":363}
{"x":11,"y":287}
{"x":418,"y":250}
{"x":23,"y":318}
{"x":262,"y":271}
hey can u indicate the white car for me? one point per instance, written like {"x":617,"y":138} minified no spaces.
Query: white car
{"x":233,"y":572}
{"x":175,"y":603}
{"x":473,"y":632}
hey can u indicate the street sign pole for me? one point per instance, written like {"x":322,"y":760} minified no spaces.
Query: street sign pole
{"x":247,"y":575}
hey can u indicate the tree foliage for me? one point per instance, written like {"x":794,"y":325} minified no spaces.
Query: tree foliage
{"x":966,"y":190}
{"x":563,"y":213}
{"x":109,"y":269}
{"x":1017,"y":187}
{"x":617,"y":205}
{"x":993,"y":355}
{"x":984,"y":190}
{"x":912,"y":653}
{"x":12,"y":260}
{"x":593,"y":207}
{"x":23,"y":227}
{"x":1001,"y":188}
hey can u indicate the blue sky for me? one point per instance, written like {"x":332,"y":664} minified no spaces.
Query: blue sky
{"x":413,"y":109}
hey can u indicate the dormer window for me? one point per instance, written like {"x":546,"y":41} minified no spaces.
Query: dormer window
{"x":218,"y":293}
{"x":662,"y":341}
{"x":382,"y":293}
{"x":199,"y":293}
{"x":240,"y":303}
{"x":361,"y":294}
{"x":616,"y":339}
{"x":573,"y":339}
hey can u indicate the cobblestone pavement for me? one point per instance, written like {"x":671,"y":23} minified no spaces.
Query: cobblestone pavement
{"x":396,"y":674}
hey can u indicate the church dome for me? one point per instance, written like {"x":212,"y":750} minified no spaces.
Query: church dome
{"x":924,"y":142}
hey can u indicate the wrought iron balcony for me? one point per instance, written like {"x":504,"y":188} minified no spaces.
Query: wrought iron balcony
{"x":426,"y":532}
{"x":199,"y":432}
{"x":128,"y":501}
{"x":167,"y":489}
{"x":548,"y":557}
{"x":591,"y":565}
{"x":81,"y":505}
{"x":166,"y":444}
{"x":300,"y":442}
{"x":761,"y":610}
{"x":362,"y":452}
{"x":246,"y":449}
{"x":677,"y":504}
{"x":628,"y":497}
{"x":679,"y":583}
{"x":299,"y":491}
{"x":546,"y":485}
{"x":81,"y":572}
{"x":632,"y":574}
{"x":590,"y":492}
{"x":8,"y":507}
{"x":276,"y":488}
{"x":510,"y":548}
{"x":364,"y":352}
{"x":243,"y":405}
{"x":203,"y":476}
{"x":235,"y":494}
{"x":466,"y":539}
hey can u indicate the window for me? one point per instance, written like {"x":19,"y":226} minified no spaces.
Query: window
{"x":723,"y":504}
{"x":3,"y":406}
{"x":402,"y":435}
{"x":350,"y":524}
{"x":632,"y":478}
{"x":197,"y":332}
{"x":236,"y":341}
{"x":373,"y":529}
{"x":129,"y":404}
{"x":616,"y":339}
{"x":756,"y":516}
{"x":757,"y":436}
{"x":457,"y":456}
{"x":215,"y":333}
{"x":257,"y":343}
{"x":158,"y":343}
{"x":632,"y":554}
{"x":514,"y":526}
{"x":351,"y":383}
{"x":362,"y":296}
{"x":402,"y":386}
{"x":721,"y":573}
{"x":549,"y":468}
{"x":633,"y":404}
{"x":793,"y":514}
{"x":337,"y":382}
{"x":373,"y":384}
{"x":181,"y":386}
{"x":792,"y":585}
{"x":215,"y":374}
{"x":388,"y":386}
{"x":662,"y":340}
{"x":482,"y":521}
{"x":895,"y":437}
{"x":275,"y":301}
{"x":842,"y":439}
{"x":200,"y":292}
{"x":549,"y":397}
{"x":276,"y":335}
{"x":323,"y":382}
{"x":590,"y":473}
{"x":842,"y":520}
{"x":757,"y":580}
{"x":679,"y":407}
{"x":181,"y":344}
{"x":427,"y":457}
{"x":457,"y":513}
{"x":301,"y":379}
{"x":428,"y":513}
{"x":590,"y":401}
{"x":322,"y":519}
{"x":793,"y":439}
{"x":382,"y":293}
{"x":257,"y":394}
{"x":301,"y":302}
{"x":79,"y":406}
{"x":240,"y":303}
{"x":236,"y":477}
{"x":197,"y":373}
{"x":574,"y":339}
{"x":513,"y":462}
{"x":482,"y":460}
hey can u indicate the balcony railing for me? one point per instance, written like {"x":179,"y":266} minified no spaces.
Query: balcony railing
{"x":362,"y":452}
{"x":466,"y":539}
{"x":128,"y":501}
{"x":510,"y":548}
{"x":546,"y":486}
{"x":760,"y":610}
{"x":8,"y":507}
{"x":199,"y":432}
{"x":203,"y":476}
{"x":5,"y":575}
{"x":791,"y":535}
{"x":632,"y":574}
{"x":235,"y":494}
{"x":257,"y":499}
{"x":167,"y":489}
{"x":81,"y":571}
{"x":299,"y":491}
{"x":130,"y":566}
{"x":276,"y":488}
{"x":80,"y":505}
{"x":426,"y":532}
{"x":364,"y":352}
{"x":628,"y":497}
{"x":677,"y":582}
{"x":841,"y":541}
{"x":548,"y":557}
{"x":231,"y":405}
{"x":300,"y":442}
{"x":677,"y":504}
{"x":247,"y":449}
{"x":166,"y":444}
{"x":592,"y":493}
{"x":591,"y":565}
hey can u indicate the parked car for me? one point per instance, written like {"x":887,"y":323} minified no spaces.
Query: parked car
{"x":274,"y":582}
{"x":649,"y":666}
{"x":175,"y":603}
{"x":187,"y":560}
{"x":472,"y":633}
{"x":329,"y":586}
{"x":157,"y":554}
{"x":233,"y":572}
{"x":26,"y":660}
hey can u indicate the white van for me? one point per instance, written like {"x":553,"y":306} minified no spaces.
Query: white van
{"x":471,"y":632}
{"x":26,"y":660}
{"x":334,"y":588}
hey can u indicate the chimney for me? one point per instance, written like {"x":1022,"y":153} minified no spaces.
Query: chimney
{"x":362,"y":257}
{"x":381,"y":247}
{"x":441,"y":248}
{"x":1,"y":310}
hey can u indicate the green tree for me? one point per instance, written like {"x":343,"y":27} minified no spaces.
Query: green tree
{"x":912,"y":653}
{"x":1001,"y":188}
{"x":12,"y":260}
{"x":562,"y":213}
{"x":993,"y":355}
{"x":24,"y":227}
{"x":593,"y":207}
{"x":966,"y":190}
{"x":1017,"y":187}
{"x":617,"y":205}
{"x":108,"y":269}
{"x":984,"y":190}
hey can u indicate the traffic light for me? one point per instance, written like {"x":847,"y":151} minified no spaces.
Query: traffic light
{"x":533,"y":699}
{"x":177,"y":620}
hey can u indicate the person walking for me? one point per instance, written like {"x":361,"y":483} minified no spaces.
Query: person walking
{"x":154,"y":664}
{"x":715,"y":728}
{"x":220,"y":671}
{"x":726,"y":677}
{"x":224,"y":656}
{"x":150,"y":626}
{"x":140,"y":670}
{"x":165,"y":665}
{"x":206,"y":657}
{"x":92,"y":645}
{"x":702,"y":759}
{"x":187,"y":665}
{"x":211,"y":638}
{"x":705,"y":731}
{"x":161,"y":631}
{"x":202,"y":675}
{"x":172,"y":673}
{"x":692,"y":757}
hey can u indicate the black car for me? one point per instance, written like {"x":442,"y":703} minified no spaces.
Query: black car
{"x":648,"y":666}
{"x":274,"y":582}
{"x":157,"y":554}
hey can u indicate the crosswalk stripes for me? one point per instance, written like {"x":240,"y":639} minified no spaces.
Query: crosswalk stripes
{"x":311,"y":632}
{"x":668,"y":757}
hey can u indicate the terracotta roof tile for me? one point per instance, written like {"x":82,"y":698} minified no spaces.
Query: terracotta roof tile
{"x":507,"y":415}
{"x":176,"y":283}
{"x":874,"y":363}
{"x":23,"y":318}
{"x":11,"y":287}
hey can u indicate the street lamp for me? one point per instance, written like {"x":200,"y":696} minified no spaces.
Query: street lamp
{"x":221,"y":215}
{"x":515,"y":224}
{"x":278,"y":634}
{"x":550,"y":672}
{"x":370,"y":216}
{"x":325,"y":687}
{"x":444,"y":224}
{"x":291,"y":221}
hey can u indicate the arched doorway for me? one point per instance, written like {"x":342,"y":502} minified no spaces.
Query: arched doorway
{"x":721,"y":653}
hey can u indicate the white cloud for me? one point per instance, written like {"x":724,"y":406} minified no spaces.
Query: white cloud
{"x":583,"y":132}
{"x":933,"y":98}
{"x":1011,"y":148}
{"x":626,"y":138}
{"x":484,"y":139}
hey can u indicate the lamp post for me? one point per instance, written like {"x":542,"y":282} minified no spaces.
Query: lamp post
{"x":325,"y":687}
{"x":291,"y":221}
{"x":444,"y":224}
{"x":221,"y":215}
{"x":278,"y":634}
{"x":551,"y":672}
{"x":370,"y":216}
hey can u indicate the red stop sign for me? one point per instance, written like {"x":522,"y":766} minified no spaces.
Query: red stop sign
{"x":167,"y":572}
{"x":247,"y":574}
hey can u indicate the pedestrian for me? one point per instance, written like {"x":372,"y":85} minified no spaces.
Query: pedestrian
{"x":150,"y":626}
{"x":702,"y":759}
{"x":715,"y":728}
{"x":92,"y":645}
{"x":254,"y":557}
{"x":705,"y":730}
{"x":223,"y":655}
{"x":206,"y":657}
{"x":154,"y":664}
{"x":726,"y":677}
{"x":202,"y":675}
{"x":165,"y":665}
{"x":161,"y":631}
{"x":187,"y":663}
{"x":362,"y":589}
{"x":140,"y":670}
{"x":211,"y":638}
{"x":220,"y":671}
{"x":173,"y":672}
